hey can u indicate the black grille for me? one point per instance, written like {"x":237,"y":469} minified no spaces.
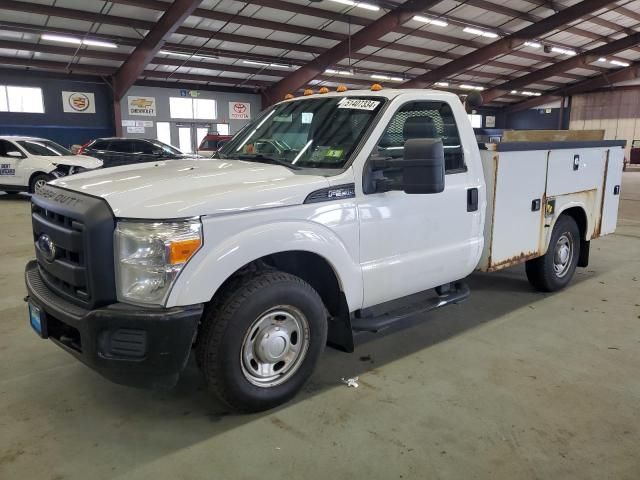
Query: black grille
{"x":81,"y":228}
{"x":66,"y":274}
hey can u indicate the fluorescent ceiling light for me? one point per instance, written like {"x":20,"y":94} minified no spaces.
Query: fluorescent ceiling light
{"x":531,"y":94}
{"x":533,"y":44}
{"x":514,"y":92}
{"x":333,"y":71}
{"x":432,"y":21}
{"x":471,"y":87}
{"x":563,"y":51}
{"x":61,"y":38}
{"x":365,"y":5}
{"x":618,"y":62}
{"x":76,"y":40}
{"x":387,"y":77}
{"x":602,"y":59}
{"x":99,"y":43}
{"x":482,"y":33}
{"x":265,"y":64}
{"x":442,"y":84}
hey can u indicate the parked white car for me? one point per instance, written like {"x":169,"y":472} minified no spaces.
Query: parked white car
{"x":27,"y":163}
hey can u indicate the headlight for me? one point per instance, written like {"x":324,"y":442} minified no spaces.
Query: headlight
{"x":149,"y":257}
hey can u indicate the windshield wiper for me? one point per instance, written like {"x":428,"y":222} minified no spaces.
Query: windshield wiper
{"x":264,"y":159}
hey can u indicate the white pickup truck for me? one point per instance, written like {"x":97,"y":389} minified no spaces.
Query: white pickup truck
{"x":322,"y":208}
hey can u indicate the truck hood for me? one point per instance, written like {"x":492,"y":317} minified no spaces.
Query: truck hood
{"x":188,"y":188}
{"x":75,"y":161}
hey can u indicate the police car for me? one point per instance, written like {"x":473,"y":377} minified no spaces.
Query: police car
{"x":27,"y":163}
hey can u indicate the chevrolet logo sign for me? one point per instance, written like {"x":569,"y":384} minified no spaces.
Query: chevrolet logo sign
{"x":141,"y":103}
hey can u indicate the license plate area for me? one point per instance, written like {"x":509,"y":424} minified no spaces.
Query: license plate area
{"x":37,"y":319}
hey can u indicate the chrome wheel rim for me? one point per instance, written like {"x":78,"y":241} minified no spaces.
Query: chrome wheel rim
{"x":275,"y":346}
{"x":38,"y":185}
{"x":563,"y":255}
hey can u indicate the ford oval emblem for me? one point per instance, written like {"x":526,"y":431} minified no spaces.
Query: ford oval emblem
{"x":47,"y":247}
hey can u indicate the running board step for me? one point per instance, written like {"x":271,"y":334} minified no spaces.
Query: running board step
{"x":457,"y":294}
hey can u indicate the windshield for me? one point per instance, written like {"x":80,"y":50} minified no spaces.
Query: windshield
{"x":313,"y":133}
{"x":166,"y":148}
{"x":44,"y":148}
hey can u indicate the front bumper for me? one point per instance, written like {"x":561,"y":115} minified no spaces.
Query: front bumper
{"x":130,"y":345}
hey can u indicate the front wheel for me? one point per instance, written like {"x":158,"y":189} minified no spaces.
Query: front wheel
{"x":260,"y":340}
{"x":38,"y":181}
{"x":555,"y":269}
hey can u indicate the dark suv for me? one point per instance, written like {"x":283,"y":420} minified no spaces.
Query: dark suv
{"x":124,"y":151}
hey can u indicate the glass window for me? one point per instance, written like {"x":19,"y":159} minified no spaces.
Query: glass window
{"x":24,"y":99}
{"x":184,"y":139}
{"x":120,"y":146}
{"x":181,"y":107}
{"x":168,"y":149}
{"x":99,"y":145}
{"x":44,"y":148}
{"x":204,"y":109}
{"x":476,"y":120}
{"x":164,"y":132}
{"x":424,"y":120}
{"x":337,"y":126}
{"x":4,"y":103}
{"x":140,"y":146}
{"x":6,"y":147}
{"x":222,"y":128}
{"x":192,"y":108}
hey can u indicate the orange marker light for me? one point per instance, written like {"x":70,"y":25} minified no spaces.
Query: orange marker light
{"x":324,"y":90}
{"x":288,"y":96}
{"x":341,"y":88}
{"x":182,"y":250}
{"x":376,"y":87}
{"x":308,"y":92}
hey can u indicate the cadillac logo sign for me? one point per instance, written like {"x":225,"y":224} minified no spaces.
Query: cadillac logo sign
{"x":46,"y":247}
{"x":78,"y":102}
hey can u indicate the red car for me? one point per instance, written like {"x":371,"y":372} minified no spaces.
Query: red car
{"x":212,"y":143}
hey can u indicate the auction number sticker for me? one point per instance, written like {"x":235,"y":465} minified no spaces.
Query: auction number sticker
{"x":358,"y":104}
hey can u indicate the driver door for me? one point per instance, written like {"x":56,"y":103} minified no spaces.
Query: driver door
{"x":11,"y":171}
{"x":413,"y":242}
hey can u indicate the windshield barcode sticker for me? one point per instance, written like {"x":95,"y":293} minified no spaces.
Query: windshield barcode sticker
{"x":358,"y":104}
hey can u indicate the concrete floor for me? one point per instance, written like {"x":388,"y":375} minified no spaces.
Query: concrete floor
{"x":512,"y":384}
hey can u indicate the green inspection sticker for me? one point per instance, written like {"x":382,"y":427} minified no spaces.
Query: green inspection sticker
{"x":334,"y":153}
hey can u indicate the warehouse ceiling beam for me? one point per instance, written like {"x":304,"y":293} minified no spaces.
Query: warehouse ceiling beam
{"x":623,"y":75}
{"x":579,"y":61}
{"x":380,"y":27}
{"x":233,"y":54}
{"x":158,"y":5}
{"x":507,"y":44}
{"x":245,"y":40}
{"x":152,"y":43}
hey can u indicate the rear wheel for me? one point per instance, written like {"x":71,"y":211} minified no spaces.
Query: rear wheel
{"x":261,"y":339}
{"x":38,"y":181}
{"x":555,"y":269}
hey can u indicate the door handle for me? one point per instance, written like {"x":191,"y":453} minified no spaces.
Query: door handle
{"x":576,"y":162}
{"x":472,"y":200}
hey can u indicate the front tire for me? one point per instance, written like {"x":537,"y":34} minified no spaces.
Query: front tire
{"x":261,"y":339}
{"x":38,"y":181}
{"x":554,"y":270}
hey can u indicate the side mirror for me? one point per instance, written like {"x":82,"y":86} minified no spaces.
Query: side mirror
{"x":419,"y":171}
{"x":422,"y":166}
{"x":15,"y":154}
{"x":473,"y":100}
